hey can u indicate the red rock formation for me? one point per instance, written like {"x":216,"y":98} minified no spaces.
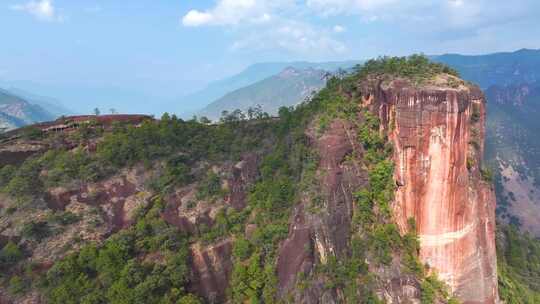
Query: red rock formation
{"x":212,"y":267}
{"x":437,"y":152}
{"x":315,"y":237}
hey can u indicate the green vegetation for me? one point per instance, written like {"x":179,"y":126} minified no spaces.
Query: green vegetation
{"x":228,"y":221}
{"x":9,"y":256}
{"x":518,"y":265}
{"x":17,"y":285}
{"x":271,"y":198}
{"x":36,"y":230}
{"x":178,"y":143}
{"x":63,"y":218}
{"x":487,"y":174}
{"x":210,"y":186}
{"x":432,"y":288}
{"x":25,"y":180}
{"x":415,"y":67}
{"x":32,"y":133}
{"x":118,"y":271}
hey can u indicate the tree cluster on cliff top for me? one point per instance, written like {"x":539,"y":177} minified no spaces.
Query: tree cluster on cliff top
{"x":416,"y":67}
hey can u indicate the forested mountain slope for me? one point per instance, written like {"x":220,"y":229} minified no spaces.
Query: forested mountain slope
{"x":317,"y":206}
{"x":288,"y":88}
{"x":508,"y":68}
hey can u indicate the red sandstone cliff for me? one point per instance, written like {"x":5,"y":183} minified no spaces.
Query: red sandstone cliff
{"x":437,"y":132}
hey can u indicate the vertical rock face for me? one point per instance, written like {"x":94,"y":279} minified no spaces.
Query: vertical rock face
{"x":437,"y":132}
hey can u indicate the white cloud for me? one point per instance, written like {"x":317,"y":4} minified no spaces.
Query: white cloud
{"x":336,"y":7}
{"x":43,"y":10}
{"x":196,"y":18}
{"x":291,"y":25}
{"x":339,"y":29}
{"x":267,"y":24}
{"x":294,"y":37}
{"x":233,"y":12}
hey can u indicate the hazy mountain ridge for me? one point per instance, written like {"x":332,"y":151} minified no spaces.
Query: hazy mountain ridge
{"x":252,"y":74}
{"x":17,"y":112}
{"x":288,"y":88}
{"x":52,"y":105}
{"x":507,"y":68}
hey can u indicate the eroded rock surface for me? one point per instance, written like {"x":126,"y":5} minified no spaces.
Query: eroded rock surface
{"x":437,"y":132}
{"x":212,"y":267}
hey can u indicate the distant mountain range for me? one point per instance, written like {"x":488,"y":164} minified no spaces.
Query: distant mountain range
{"x":251,"y":75}
{"x":507,"y":68}
{"x":84,"y":98}
{"x":289,"y":87}
{"x":51,"y":105}
{"x":258,"y":84}
{"x":16,"y":112}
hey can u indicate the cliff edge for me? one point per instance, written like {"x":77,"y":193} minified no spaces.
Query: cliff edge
{"x":437,"y":131}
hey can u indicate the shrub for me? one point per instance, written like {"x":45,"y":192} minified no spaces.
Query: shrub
{"x":210,"y":186}
{"x":17,"y":285}
{"x":189,"y":299}
{"x":25,"y":181}
{"x":470,"y":163}
{"x":242,"y":249}
{"x":10,"y":255}
{"x":64,"y":218}
{"x":6,"y":174}
{"x":487,"y":174}
{"x":32,"y":133}
{"x":36,"y":230}
{"x":382,"y":240}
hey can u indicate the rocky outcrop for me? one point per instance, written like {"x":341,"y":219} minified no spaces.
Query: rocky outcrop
{"x":212,"y":267}
{"x":437,"y":132}
{"x":320,"y":227}
{"x":211,"y":264}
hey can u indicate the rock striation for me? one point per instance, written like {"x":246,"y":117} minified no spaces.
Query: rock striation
{"x":437,"y":132}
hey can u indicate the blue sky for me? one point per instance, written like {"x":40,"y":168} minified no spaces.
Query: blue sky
{"x":171,"y":47}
